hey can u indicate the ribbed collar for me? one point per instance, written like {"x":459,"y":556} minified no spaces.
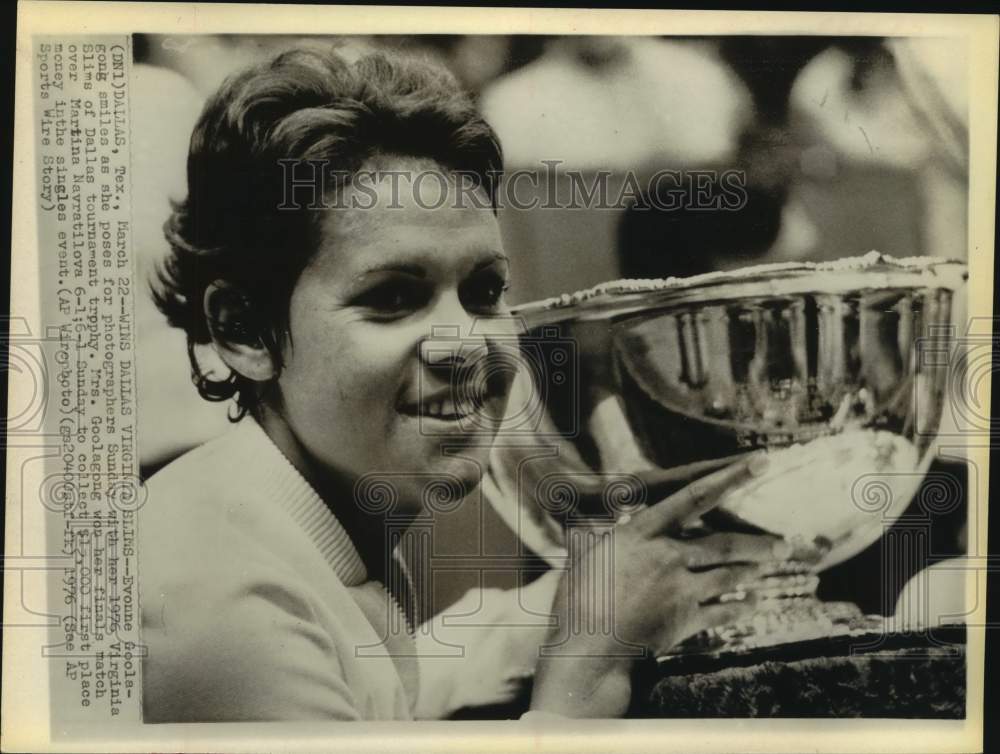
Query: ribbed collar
{"x":282,"y":482}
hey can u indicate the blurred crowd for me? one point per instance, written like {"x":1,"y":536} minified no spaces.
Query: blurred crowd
{"x":844,"y":145}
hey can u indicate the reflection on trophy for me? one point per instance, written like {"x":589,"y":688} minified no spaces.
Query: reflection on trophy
{"x":835,"y":369}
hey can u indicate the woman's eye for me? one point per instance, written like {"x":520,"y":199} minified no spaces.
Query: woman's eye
{"x":484,"y":292}
{"x":393,"y":297}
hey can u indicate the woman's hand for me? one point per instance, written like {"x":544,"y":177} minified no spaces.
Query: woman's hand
{"x":653,"y":587}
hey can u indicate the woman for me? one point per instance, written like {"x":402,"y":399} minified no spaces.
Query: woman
{"x":346,"y":296}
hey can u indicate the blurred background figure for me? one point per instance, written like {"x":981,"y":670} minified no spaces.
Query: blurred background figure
{"x":617,"y":106}
{"x":856,"y":144}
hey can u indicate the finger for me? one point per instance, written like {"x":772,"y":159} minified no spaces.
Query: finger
{"x":728,"y":548}
{"x":647,"y":485}
{"x":658,"y":483}
{"x":699,"y":496}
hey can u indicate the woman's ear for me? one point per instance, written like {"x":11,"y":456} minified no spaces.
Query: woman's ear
{"x":235,"y":331}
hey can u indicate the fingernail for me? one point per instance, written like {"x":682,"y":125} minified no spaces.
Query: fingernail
{"x":758,"y":464}
{"x":782,"y":550}
{"x":521,"y":673}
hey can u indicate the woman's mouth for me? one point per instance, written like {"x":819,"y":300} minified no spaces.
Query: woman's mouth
{"x":466,"y":403}
{"x":444,"y":408}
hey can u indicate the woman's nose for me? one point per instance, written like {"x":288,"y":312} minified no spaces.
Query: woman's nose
{"x":454,"y":339}
{"x":451,"y":345}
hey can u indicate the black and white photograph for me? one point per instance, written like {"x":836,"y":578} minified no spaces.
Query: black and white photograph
{"x":537,"y":378}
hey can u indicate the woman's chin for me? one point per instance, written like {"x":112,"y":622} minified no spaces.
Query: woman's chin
{"x":465,"y":467}
{"x":439,"y":487}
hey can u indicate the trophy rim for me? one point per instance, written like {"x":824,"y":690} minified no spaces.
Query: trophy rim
{"x":868,"y":273}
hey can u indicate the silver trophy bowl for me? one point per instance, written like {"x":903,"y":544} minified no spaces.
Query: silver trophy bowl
{"x":838,"y":370}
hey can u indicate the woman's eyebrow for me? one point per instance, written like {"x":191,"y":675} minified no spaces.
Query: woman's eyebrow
{"x":416,"y":270}
{"x":495,"y":256}
{"x":404,"y":267}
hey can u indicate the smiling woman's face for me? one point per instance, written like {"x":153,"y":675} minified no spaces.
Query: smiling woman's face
{"x":365,"y":387}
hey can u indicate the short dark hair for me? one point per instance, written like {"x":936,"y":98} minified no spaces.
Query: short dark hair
{"x":302,"y":104}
